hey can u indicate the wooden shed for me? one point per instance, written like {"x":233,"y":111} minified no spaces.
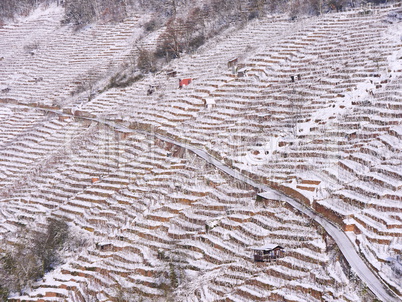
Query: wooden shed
{"x":103,"y":246}
{"x":268,"y":253}
{"x":241,"y":73}
{"x":232,"y":62}
{"x":171,"y":73}
{"x":351,"y":135}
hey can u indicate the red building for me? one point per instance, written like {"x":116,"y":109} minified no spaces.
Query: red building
{"x":184,"y":82}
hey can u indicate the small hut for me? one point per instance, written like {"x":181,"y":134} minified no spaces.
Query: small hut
{"x":171,"y":73}
{"x":351,"y":135}
{"x":232,"y":62}
{"x":209,"y":103}
{"x":103,"y":246}
{"x":152,"y":89}
{"x":184,"y":82}
{"x":241,"y":73}
{"x":268,"y":253}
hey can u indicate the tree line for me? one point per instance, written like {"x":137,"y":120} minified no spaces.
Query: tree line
{"x":186,"y":24}
{"x":81,"y":12}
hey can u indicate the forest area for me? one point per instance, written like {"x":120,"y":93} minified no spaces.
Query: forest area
{"x":187,"y":24}
{"x":81,"y":12}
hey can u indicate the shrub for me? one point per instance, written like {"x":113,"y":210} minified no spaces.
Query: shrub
{"x":174,"y":282}
{"x":253,"y":15}
{"x":3,"y":294}
{"x":196,"y":42}
{"x":34,"y":254}
{"x":48,"y":246}
{"x":150,"y":25}
{"x":146,"y":61}
{"x":123,"y":80}
{"x":19,"y":267}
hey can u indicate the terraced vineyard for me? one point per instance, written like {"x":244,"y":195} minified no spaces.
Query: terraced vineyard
{"x":317,"y":117}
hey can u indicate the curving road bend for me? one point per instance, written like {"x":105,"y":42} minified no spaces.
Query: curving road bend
{"x":374,"y":283}
{"x":345,"y":245}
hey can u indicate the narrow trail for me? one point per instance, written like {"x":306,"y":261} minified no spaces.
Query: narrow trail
{"x":374,"y":283}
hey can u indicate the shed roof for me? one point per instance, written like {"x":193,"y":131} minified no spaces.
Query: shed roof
{"x":185,"y":81}
{"x":269,"y":246}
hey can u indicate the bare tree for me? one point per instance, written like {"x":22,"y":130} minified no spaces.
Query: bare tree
{"x":172,"y":42}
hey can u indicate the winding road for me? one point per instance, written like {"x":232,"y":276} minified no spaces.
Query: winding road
{"x":374,"y":283}
{"x":381,"y":290}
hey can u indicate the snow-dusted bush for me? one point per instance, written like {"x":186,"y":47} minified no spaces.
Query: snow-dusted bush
{"x":32,"y":254}
{"x":146,"y":61}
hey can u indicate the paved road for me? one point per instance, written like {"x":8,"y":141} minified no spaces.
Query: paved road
{"x":345,"y":245}
{"x":375,"y":284}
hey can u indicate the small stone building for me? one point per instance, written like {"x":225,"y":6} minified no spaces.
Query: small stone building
{"x":268,"y":253}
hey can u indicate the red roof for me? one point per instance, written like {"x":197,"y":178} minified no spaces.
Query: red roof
{"x":185,"y":82}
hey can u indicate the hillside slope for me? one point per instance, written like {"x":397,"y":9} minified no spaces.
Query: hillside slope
{"x":161,"y":223}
